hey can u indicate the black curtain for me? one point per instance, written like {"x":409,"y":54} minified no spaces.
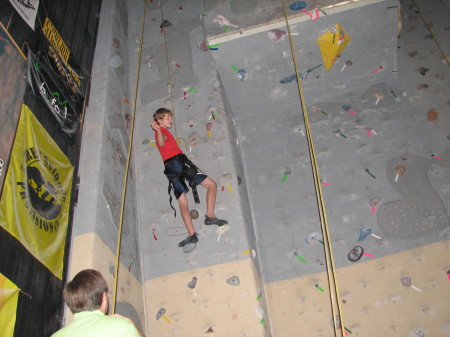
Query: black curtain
{"x":40,"y":305}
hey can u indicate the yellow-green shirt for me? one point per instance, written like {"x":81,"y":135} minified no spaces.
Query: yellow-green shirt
{"x":97,"y":324}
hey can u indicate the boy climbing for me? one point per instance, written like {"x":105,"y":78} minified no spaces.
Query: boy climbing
{"x":179,"y":168}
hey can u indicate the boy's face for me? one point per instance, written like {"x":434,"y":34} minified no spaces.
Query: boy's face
{"x":166,"y":121}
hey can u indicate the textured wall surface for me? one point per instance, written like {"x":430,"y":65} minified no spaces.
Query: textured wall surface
{"x":106,"y":141}
{"x":257,"y":152}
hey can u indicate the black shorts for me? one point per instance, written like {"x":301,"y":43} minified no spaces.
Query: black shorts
{"x":174,"y":172}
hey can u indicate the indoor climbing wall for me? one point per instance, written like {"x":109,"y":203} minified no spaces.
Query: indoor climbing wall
{"x":377,"y":106}
{"x":211,"y":287}
{"x":381,"y":143}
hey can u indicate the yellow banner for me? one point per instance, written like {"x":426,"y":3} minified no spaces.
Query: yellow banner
{"x":34,"y":206}
{"x":9,"y":295}
{"x":56,"y":39}
{"x":60,"y":47}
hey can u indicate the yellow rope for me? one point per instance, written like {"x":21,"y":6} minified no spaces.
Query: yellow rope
{"x":119,"y":235}
{"x":330,"y":266}
{"x":429,"y":29}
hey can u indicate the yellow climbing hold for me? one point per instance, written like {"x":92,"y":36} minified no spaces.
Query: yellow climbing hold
{"x":331,"y":44}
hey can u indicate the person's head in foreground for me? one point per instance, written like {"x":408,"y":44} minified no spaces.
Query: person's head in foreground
{"x":87,"y":292}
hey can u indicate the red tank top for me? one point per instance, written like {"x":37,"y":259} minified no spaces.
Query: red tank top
{"x":170,"y":147}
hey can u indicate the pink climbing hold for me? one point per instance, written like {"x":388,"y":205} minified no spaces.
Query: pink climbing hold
{"x":203,"y":46}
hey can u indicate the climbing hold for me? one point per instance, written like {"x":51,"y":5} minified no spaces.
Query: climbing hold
{"x":225,"y":179}
{"x":370,"y":173}
{"x":338,"y":322}
{"x":299,"y":257}
{"x":313,"y":237}
{"x":348,"y":108}
{"x":298,"y":5}
{"x":210,"y":330}
{"x":363,"y":232}
{"x":305,"y":74}
{"x":242,"y":74}
{"x":260,"y":293}
{"x":222,"y":21}
{"x":377,"y":69}
{"x":432,"y":115}
{"x":160,"y":313}
{"x":355,"y":254}
{"x":221,"y":230}
{"x":189,"y":247}
{"x":422,"y":86}
{"x":413,"y":54}
{"x":203,"y":46}
{"x":276,"y":35}
{"x":165,"y":24}
{"x":419,"y":333}
{"x":374,"y":201}
{"x":234,"y":281}
{"x":378,"y":96}
{"x":192,"y":283}
{"x":194,"y":214}
{"x":407,"y":282}
{"x":338,"y":132}
{"x":423,"y":70}
{"x":287,"y":171}
{"x":400,"y":169}
{"x":289,"y":79}
{"x":347,"y":63}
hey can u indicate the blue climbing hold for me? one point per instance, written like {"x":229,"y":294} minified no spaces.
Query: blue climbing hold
{"x":289,"y":79}
{"x":347,"y":107}
{"x":298,"y":5}
{"x":363,"y":232}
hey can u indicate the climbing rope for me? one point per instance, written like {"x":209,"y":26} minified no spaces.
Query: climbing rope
{"x":169,"y":75}
{"x":433,"y":36}
{"x":330,"y":266}
{"x":127,"y":167}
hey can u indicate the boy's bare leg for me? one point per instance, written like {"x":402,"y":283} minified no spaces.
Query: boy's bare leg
{"x":184,"y":209}
{"x":211,"y":193}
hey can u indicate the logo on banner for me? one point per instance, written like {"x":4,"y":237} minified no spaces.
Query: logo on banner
{"x":42,"y":191}
{"x":52,"y":92}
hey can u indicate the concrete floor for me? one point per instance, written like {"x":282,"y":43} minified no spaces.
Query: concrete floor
{"x":259,"y":132}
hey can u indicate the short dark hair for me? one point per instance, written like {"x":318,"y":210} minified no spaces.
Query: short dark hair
{"x":85,"y":291}
{"x":159,"y":114}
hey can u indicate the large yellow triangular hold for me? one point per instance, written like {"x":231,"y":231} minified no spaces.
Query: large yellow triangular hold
{"x":331,"y":44}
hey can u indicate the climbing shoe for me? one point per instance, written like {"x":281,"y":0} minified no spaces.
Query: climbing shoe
{"x":215,"y":221}
{"x":190,"y":239}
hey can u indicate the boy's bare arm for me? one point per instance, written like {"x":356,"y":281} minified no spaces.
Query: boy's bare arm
{"x":160,"y":138}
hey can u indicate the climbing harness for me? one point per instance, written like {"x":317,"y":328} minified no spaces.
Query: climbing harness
{"x":188,"y":173}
